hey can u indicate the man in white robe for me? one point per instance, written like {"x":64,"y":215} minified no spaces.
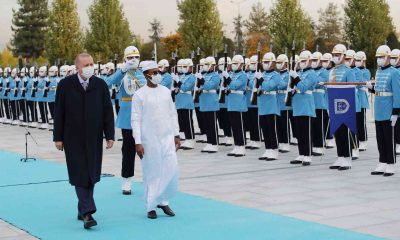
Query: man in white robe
{"x":156,"y":132}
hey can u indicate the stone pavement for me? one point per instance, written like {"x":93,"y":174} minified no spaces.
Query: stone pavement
{"x":352,"y":200}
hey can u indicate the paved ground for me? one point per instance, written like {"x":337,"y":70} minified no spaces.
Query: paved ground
{"x":352,"y":199}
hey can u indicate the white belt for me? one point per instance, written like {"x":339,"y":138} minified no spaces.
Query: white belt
{"x":282,"y":91}
{"x":319,"y":90}
{"x":268,"y":92}
{"x":383,"y":94}
{"x":187,"y":92}
{"x":364,"y":89}
{"x":210,"y":91}
{"x":237,"y":91}
{"x":306,"y":92}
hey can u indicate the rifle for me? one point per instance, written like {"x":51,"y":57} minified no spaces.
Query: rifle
{"x":7,"y":88}
{"x":222,"y":86}
{"x":196,"y":91}
{"x":46,"y":88}
{"x":98,"y":68}
{"x":256,"y":83}
{"x":35,"y":83}
{"x":175,"y":87}
{"x":114,"y":89}
{"x":290,"y":86}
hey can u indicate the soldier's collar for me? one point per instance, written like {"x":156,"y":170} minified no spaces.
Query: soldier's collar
{"x":283,"y":71}
{"x":270,"y":71}
{"x":306,"y":69}
{"x":318,"y":68}
{"x":386,"y":67}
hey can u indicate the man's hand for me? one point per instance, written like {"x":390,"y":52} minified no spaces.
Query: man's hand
{"x":293,"y":74}
{"x":110,"y":144}
{"x":177,"y":143}
{"x":257,"y":75}
{"x":140,"y":150}
{"x":60,"y":146}
{"x":393,"y":119}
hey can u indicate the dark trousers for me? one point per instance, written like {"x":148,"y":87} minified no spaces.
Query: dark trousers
{"x":385,"y":140}
{"x":128,"y":154}
{"x":200,"y":120}
{"x":32,"y":106}
{"x":362,"y":125}
{"x":185,"y":120}
{"x":2,"y":113}
{"x":303,"y":127}
{"x":320,"y":128}
{"x":293,"y":125}
{"x":343,"y":141}
{"x":284,"y":127}
{"x":252,"y":124}
{"x":23,"y":109}
{"x":116,"y":105}
{"x":6,"y":105}
{"x":86,"y":202}
{"x":236,"y":121}
{"x":14,"y":109}
{"x":224,"y":122}
{"x":51,"y":109}
{"x":43,"y":111}
{"x":268,"y":125}
{"x":210,"y":119}
{"x":397,"y":132}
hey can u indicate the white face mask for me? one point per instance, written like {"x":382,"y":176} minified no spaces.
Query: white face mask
{"x":221,"y":67}
{"x":185,"y":70}
{"x":303,"y":65}
{"x":63,"y":73}
{"x":337,"y":60}
{"x":22,"y":74}
{"x":267,"y":66}
{"x":279,"y":66}
{"x":358,"y":64}
{"x":253,"y":67}
{"x":381,"y":61}
{"x":201,"y":68}
{"x":314,"y":64}
{"x":325,"y":64}
{"x":135,"y":63}
{"x":156,"y":79}
{"x":394,"y":61}
{"x":349,"y":63}
{"x":206,"y":68}
{"x":235,"y":66}
{"x":87,"y":72}
{"x":179,"y":69}
{"x":42,"y":73}
{"x":13,"y":74}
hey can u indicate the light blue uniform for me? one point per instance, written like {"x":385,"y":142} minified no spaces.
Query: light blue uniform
{"x":319,"y":93}
{"x":29,"y":88}
{"x":236,"y":99}
{"x":124,"y":115}
{"x":387,"y":82}
{"x":208,"y":99}
{"x":40,"y":89}
{"x":344,"y":74}
{"x":303,"y":100}
{"x":359,"y":78}
{"x":51,"y":94}
{"x":249,"y":90}
{"x":282,"y":89}
{"x":22,"y":87}
{"x":267,"y":102}
{"x":184,"y":98}
{"x":362,"y":91}
{"x":14,"y":86}
{"x":2,"y":86}
{"x":166,"y":80}
{"x":224,"y":104}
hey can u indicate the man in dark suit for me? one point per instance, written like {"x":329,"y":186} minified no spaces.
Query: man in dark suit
{"x":83,"y":115}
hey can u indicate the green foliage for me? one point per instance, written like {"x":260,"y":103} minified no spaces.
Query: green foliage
{"x":329,"y":30}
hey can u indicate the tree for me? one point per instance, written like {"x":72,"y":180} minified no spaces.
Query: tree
{"x":239,"y":41}
{"x":367,"y":25}
{"x":200,"y":26}
{"x":109,"y":32}
{"x":29,"y":26}
{"x":392,"y":41}
{"x":170,"y":43}
{"x":253,"y":39}
{"x":258,"y":20}
{"x":156,"y":30}
{"x":329,"y":28}
{"x":288,"y":23}
{"x":64,"y":38}
{"x":7,"y":59}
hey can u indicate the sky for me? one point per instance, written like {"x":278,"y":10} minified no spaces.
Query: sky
{"x":140,"y":12}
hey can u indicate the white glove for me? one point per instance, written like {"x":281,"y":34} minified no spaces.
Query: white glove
{"x":293,"y":74}
{"x":127,"y":65}
{"x":225,"y":74}
{"x":393,"y":119}
{"x":175,"y":77}
{"x":257,"y":75}
{"x":199,"y":76}
{"x":369,"y":84}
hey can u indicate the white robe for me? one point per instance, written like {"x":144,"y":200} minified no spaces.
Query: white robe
{"x":154,"y":125}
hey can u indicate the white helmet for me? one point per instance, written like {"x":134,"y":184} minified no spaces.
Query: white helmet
{"x":236,"y":61}
{"x":221,"y":61}
{"x":280,"y":61}
{"x":339,"y":48}
{"x":269,"y":57}
{"x":179,"y":65}
{"x":316,"y":59}
{"x":163,"y":63}
{"x":131,"y":51}
{"x":382,"y":51}
{"x":7,"y":71}
{"x":109,"y":66}
{"x":326,"y":57}
{"x":350,"y":54}
{"x":304,"y":58}
{"x":360,"y":55}
{"x":42,"y":71}
{"x":23,"y":72}
{"x":202,"y":61}
{"x":208,"y":63}
{"x":185,"y":64}
{"x":14,"y":72}
{"x":63,"y":70}
{"x":32,"y":71}
{"x":53,"y":70}
{"x":72,"y":70}
{"x":189,"y":62}
{"x":395,"y":57}
{"x":247,"y":61}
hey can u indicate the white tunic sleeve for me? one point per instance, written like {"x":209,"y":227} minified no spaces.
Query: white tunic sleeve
{"x":174,"y":117}
{"x":136,"y":118}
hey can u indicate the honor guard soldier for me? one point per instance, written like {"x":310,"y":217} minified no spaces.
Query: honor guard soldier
{"x":304,"y":107}
{"x":23,"y":74}
{"x":13,"y":97}
{"x":236,"y":102}
{"x":387,"y":110}
{"x":282,"y":64}
{"x":343,"y":137}
{"x":360,"y":62}
{"x":6,"y":93}
{"x":222,"y":114}
{"x":163,"y":66}
{"x":199,"y":115}
{"x":2,"y":111}
{"x":268,"y":106}
{"x":43,"y":83}
{"x":209,"y":103}
{"x":326,"y":63}
{"x":130,"y":78}
{"x":321,"y":121}
{"x":184,"y":102}
{"x":31,"y":97}
{"x":395,"y":62}
{"x":51,"y":89}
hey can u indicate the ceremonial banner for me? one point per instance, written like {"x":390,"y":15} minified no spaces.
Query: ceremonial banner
{"x":342,"y":107}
